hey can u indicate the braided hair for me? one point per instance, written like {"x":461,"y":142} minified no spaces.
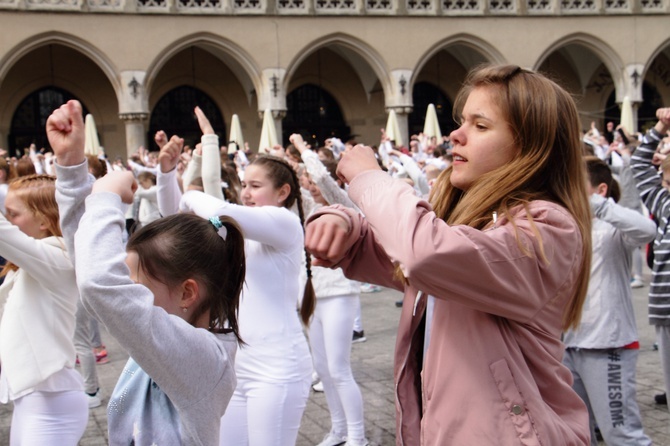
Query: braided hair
{"x":280,"y":172}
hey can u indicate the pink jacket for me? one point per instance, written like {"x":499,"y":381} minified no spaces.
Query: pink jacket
{"x":493,"y":373}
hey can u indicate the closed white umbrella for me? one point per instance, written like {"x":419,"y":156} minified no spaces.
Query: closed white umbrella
{"x":235,"y":136}
{"x":91,"y":141}
{"x":431,"y":126}
{"x":627,"y":115}
{"x":393,"y":129}
{"x":268,"y":133}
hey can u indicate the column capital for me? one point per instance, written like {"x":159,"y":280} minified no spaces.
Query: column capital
{"x":400,"y":109}
{"x":272,"y":94}
{"x":633,"y":82}
{"x":133,"y":97}
{"x":134,"y":117}
{"x":401,"y":91}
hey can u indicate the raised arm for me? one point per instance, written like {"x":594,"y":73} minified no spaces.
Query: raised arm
{"x":330,"y":190}
{"x":270,"y":225}
{"x":65,"y":130}
{"x":644,"y":161}
{"x":168,"y":192}
{"x":211,"y":157}
{"x":635,"y":228}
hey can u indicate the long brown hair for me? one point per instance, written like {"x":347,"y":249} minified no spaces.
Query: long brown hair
{"x":185,"y":246}
{"x":544,"y":120}
{"x":38,"y":193}
{"x":280,"y":173}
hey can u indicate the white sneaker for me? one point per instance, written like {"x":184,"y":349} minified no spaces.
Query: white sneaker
{"x":94,"y":400}
{"x":370,"y":288}
{"x":333,"y":439}
{"x":318,"y":387}
{"x":636,"y":283}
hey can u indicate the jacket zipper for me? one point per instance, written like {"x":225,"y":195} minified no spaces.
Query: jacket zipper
{"x":404,"y":364}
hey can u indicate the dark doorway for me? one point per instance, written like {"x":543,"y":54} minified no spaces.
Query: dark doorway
{"x":30,"y":119}
{"x":174,"y":114}
{"x":425,"y":93}
{"x":315,"y":114}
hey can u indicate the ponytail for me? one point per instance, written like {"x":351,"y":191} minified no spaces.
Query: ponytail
{"x":309,"y":296}
{"x":280,"y":173}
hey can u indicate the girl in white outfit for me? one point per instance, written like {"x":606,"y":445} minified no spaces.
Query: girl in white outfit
{"x":274,"y":367}
{"x":330,"y":330}
{"x":39,"y":300}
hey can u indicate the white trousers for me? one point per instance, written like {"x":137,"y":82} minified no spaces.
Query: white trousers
{"x":49,"y":418}
{"x":330,"y":338}
{"x":264,"y":414}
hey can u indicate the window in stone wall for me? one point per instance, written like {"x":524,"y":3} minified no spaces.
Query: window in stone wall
{"x":152,"y":4}
{"x":419,"y":5}
{"x":578,"y":5}
{"x":174,"y":114}
{"x":461,"y":5}
{"x":30,"y":118}
{"x":199,"y":4}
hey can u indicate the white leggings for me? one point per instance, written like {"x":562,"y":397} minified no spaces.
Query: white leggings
{"x":330,"y":338}
{"x":264,"y":414}
{"x":49,"y":418}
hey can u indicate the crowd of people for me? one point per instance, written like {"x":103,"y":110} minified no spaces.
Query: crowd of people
{"x":234,"y":280}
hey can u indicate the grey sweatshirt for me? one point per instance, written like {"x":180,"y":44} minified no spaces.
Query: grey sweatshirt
{"x":608,"y":319}
{"x":179,"y":380}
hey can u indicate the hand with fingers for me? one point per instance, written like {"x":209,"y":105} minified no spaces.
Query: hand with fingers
{"x":161,"y":138}
{"x":355,"y":161}
{"x":663,"y":115}
{"x":170,"y":153}
{"x":65,"y":130}
{"x":326,"y":239}
{"x":122,"y":184}
{"x":203,"y":122}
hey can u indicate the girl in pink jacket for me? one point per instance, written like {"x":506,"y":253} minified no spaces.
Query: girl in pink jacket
{"x":503,"y":246}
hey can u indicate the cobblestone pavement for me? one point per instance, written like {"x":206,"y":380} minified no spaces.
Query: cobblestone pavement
{"x":372,"y":363}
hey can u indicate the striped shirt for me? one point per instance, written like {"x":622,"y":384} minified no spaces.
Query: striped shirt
{"x":657,"y":200}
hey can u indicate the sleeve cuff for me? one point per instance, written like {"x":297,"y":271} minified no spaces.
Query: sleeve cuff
{"x":72,"y":177}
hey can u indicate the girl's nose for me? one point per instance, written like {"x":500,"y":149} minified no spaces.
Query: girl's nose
{"x":457,"y":137}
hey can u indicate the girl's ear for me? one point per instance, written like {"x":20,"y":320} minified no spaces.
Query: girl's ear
{"x":284,"y":192}
{"x":602,"y":190}
{"x":190,"y":293}
{"x":43,"y":224}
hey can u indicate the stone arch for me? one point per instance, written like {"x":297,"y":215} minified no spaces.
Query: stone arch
{"x":485,"y":49}
{"x":607,"y":55}
{"x":663,"y":47}
{"x":54,"y":37}
{"x":238,"y":60}
{"x":356,"y":52}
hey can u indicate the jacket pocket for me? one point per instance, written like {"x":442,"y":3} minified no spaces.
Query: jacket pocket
{"x":514,"y":402}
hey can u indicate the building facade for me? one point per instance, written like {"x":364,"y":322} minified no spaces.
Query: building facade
{"x":321,"y":66}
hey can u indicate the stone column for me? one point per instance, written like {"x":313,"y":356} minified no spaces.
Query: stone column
{"x":633,"y":89}
{"x":400,"y":100}
{"x":136,"y":125}
{"x":134,"y":109}
{"x":273,"y":96}
{"x":402,"y":113}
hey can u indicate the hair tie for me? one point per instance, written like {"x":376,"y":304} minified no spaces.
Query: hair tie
{"x":216,"y":221}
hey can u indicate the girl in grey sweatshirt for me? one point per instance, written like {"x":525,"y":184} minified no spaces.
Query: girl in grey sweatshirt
{"x":167,"y":298}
